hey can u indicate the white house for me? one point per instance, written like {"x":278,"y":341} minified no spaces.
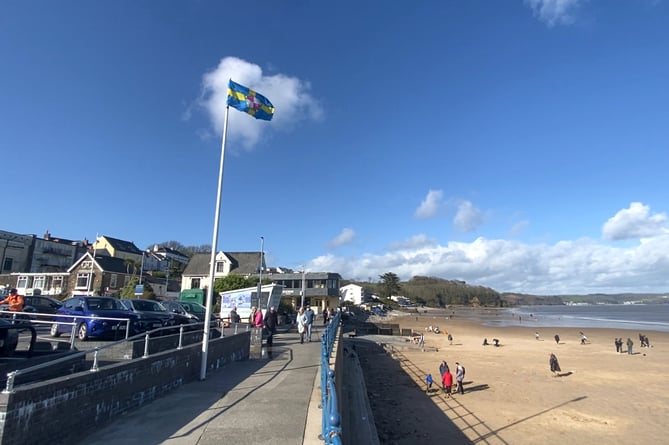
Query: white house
{"x":353,"y":293}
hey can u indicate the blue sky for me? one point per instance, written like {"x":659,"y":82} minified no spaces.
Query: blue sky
{"x":520,"y":145}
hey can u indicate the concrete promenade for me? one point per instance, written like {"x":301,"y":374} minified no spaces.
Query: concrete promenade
{"x":258,"y":401}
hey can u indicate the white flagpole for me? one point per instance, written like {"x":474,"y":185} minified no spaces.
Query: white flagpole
{"x":212,"y":261}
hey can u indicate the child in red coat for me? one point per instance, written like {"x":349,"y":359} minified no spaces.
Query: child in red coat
{"x":447,"y":382}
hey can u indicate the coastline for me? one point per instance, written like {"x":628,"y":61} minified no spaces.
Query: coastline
{"x":603,"y":396}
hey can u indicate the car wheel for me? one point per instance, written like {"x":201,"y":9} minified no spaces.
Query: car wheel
{"x":82,"y":332}
{"x":54,"y":330}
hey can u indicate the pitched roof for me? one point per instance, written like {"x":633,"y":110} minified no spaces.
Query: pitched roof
{"x":242,"y":263}
{"x":123,"y":246}
{"x":112,"y":264}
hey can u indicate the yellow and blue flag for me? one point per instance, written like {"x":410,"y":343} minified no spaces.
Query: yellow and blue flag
{"x":246,"y":100}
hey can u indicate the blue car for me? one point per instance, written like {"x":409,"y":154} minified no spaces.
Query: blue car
{"x":91,"y":317}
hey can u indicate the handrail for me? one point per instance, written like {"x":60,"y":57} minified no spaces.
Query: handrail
{"x":331,"y":423}
{"x":11,"y":376}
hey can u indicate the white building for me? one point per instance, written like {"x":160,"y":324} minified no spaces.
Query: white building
{"x":354,"y":293}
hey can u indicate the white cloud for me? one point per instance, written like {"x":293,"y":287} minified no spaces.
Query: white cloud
{"x":554,"y":12}
{"x":467,"y":218}
{"x":581,"y":266}
{"x":430,"y":205}
{"x":290,"y":96}
{"x":635,"y":222}
{"x":346,"y":236}
{"x":419,"y":240}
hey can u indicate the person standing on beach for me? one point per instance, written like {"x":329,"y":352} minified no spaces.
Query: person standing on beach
{"x":443,"y":367}
{"x":459,"y":377}
{"x":447,"y":382}
{"x":553,"y":362}
{"x":557,"y":339}
{"x":428,"y":381}
{"x":615,"y":341}
{"x":450,"y":339}
{"x":630,"y":343}
{"x":536,"y":335}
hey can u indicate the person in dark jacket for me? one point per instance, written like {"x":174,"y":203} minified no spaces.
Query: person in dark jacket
{"x":271,"y":322}
{"x":555,"y":366}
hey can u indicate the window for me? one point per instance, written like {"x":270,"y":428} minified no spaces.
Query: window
{"x":82,"y":280}
{"x":86,"y":265}
{"x":57,"y":283}
{"x":126,"y":280}
{"x":22,"y":282}
{"x":220,"y":266}
{"x":7,"y":264}
{"x":112,"y":280}
{"x":195,"y":283}
{"x":38,"y":283}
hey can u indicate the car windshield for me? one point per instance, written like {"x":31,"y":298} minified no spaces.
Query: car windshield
{"x":195,"y":308}
{"x":145,"y":305}
{"x":104,"y":304}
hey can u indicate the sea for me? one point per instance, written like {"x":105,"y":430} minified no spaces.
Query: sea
{"x":638,"y":317}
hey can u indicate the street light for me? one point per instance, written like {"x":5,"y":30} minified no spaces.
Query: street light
{"x":304,"y":285}
{"x":262,"y":248}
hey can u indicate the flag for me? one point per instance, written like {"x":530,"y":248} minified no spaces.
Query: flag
{"x":246,"y":100}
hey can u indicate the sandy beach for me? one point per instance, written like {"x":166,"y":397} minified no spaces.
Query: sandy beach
{"x":511,"y":397}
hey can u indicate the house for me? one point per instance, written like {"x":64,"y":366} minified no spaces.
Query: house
{"x":196,"y":274}
{"x":98,"y":275}
{"x":116,"y":248}
{"x":355,"y":294}
{"x":163,"y":258}
{"x":37,"y":265}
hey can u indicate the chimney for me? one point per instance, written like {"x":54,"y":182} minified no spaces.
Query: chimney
{"x":47,"y":235}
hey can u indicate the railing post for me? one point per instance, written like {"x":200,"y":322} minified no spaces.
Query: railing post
{"x":9,"y":386}
{"x":94,"y":368}
{"x":72,"y":335}
{"x":146,"y":345}
{"x":181,"y":336}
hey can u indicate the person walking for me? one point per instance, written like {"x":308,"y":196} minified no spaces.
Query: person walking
{"x":14,"y":301}
{"x":443,"y":367}
{"x":450,"y":339}
{"x":301,"y":321}
{"x":615,"y":341}
{"x":428,"y":382}
{"x":557,"y":339}
{"x":554,"y":365}
{"x":630,"y":343}
{"x":447,"y":382}
{"x":271,"y":323}
{"x":309,"y":313}
{"x":459,"y":377}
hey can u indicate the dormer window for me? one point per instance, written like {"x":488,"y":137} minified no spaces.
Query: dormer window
{"x":220,"y":266}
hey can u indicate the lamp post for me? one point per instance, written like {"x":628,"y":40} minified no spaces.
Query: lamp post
{"x":260,"y":267}
{"x":304,"y":286}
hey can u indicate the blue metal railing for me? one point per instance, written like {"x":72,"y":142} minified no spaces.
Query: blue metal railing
{"x":331,"y":423}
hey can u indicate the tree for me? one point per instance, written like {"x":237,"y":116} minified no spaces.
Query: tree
{"x":233,"y":282}
{"x":390,"y":285}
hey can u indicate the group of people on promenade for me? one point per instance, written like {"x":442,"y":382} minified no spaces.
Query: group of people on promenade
{"x":447,"y":378}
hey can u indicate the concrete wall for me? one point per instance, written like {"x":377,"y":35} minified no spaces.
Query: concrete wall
{"x":66,"y":409}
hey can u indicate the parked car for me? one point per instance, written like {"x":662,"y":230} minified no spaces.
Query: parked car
{"x":194,"y":311}
{"x":91,"y":315}
{"x":41,"y":304}
{"x":155,"y":314}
